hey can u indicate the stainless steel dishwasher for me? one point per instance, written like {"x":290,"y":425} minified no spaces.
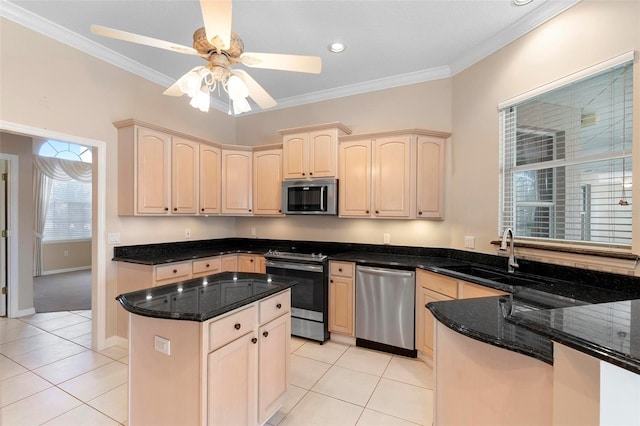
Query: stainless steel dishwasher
{"x":385,"y":310}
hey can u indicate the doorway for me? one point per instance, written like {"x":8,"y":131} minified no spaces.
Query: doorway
{"x":4,"y":175}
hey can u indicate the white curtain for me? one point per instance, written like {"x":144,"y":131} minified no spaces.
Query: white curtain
{"x":45,"y":171}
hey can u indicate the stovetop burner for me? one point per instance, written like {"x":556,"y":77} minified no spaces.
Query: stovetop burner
{"x":276,"y":254}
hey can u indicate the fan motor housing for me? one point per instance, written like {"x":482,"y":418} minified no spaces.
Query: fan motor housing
{"x":206,"y":47}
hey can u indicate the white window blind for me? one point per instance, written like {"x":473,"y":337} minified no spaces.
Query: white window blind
{"x":68,"y":212}
{"x":565,"y":161}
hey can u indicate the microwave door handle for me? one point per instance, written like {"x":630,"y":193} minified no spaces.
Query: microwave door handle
{"x":322,"y":189}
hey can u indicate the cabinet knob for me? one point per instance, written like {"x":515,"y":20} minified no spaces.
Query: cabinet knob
{"x":201,"y":210}
{"x":166,"y":209}
{"x":279,"y":306}
{"x":237,"y":326}
{"x":367,"y":211}
{"x":265,"y":334}
{"x":310,"y":173}
{"x":419,"y":212}
{"x":279,"y":210}
{"x":254,"y":340}
{"x":330,"y":281}
{"x":207,"y":265}
{"x":175,"y":209}
{"x":249,"y":210}
{"x":377,"y":212}
{"x":251,"y":260}
{"x":175,"y":271}
{"x":340,"y":269}
{"x":303,"y":174}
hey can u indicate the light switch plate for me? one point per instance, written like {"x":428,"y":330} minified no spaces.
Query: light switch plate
{"x":114,"y":237}
{"x":469,"y":242}
{"x":386,"y":237}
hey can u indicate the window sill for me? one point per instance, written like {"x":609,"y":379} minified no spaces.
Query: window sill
{"x":623,"y":255}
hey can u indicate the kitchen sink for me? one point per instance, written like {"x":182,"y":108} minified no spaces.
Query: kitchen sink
{"x":511,"y":279}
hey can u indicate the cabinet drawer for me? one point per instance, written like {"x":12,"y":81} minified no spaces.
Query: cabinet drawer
{"x":173,"y":271}
{"x":342,"y":269}
{"x":438,"y":283}
{"x":209,"y":265}
{"x":230,"y":328}
{"x":275,"y":306}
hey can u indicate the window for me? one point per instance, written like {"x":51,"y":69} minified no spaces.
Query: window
{"x":69,"y":206}
{"x":565,"y":159}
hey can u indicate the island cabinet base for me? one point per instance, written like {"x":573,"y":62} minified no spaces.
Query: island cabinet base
{"x":481,"y":384}
{"x":231,"y":369}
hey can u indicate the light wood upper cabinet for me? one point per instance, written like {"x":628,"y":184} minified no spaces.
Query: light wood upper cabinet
{"x":237,"y":169}
{"x":377,"y":177}
{"x":210,"y":179}
{"x":393,"y":176}
{"x":152,"y":153}
{"x":267,"y":182}
{"x":184,"y":176}
{"x":311,"y":152}
{"x":430,"y":188}
{"x":396,"y":174}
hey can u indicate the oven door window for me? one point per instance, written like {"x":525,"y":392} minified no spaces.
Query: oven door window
{"x":308,"y":294}
{"x":307,"y":198}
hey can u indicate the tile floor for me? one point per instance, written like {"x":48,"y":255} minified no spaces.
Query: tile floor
{"x":50,"y":376}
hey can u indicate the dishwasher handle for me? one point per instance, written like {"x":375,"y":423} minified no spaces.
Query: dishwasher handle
{"x":384,"y":271}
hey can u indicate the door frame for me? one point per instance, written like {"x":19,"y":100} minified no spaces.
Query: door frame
{"x":98,"y":226}
{"x":12,"y":227}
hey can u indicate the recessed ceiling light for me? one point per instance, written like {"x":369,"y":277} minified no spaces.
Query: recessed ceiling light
{"x":521,"y":2}
{"x":336,"y":47}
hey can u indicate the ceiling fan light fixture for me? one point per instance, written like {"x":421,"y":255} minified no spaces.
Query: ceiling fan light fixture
{"x":191,"y":83}
{"x":201,"y":99}
{"x":336,"y":47}
{"x":521,"y":2}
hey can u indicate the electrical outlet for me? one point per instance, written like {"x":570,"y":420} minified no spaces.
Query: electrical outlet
{"x":162,"y":345}
{"x":469,"y":242}
{"x":66,"y":253}
{"x":187,"y":233}
{"x":113,"y":237}
{"x":253,"y":231}
{"x":386,"y":238}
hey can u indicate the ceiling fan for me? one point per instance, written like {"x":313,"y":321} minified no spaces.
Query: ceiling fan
{"x":221,"y":48}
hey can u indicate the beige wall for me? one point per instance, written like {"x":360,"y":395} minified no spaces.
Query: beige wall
{"x":69,"y":255}
{"x":21,"y":146}
{"x":588,"y":33}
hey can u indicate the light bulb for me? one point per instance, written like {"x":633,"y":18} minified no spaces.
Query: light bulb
{"x":190,"y":83}
{"x":240,"y":105}
{"x":201,"y":99}
{"x":237,"y":88}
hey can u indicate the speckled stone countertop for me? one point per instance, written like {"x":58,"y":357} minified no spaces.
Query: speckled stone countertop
{"x":607,"y":331}
{"x":201,"y":299}
{"x":541,"y":293}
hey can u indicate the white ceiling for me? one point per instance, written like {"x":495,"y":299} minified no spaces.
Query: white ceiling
{"x":389,"y":43}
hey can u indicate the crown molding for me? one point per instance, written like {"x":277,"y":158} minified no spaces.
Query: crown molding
{"x":513,"y":32}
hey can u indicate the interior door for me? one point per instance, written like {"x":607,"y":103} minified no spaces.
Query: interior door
{"x":3,"y":239}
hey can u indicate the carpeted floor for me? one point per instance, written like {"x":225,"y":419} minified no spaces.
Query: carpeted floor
{"x":70,"y":291}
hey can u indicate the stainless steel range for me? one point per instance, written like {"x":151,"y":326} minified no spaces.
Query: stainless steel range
{"x":309,"y":298}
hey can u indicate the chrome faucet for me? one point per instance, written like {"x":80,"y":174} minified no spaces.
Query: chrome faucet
{"x":513,"y":264}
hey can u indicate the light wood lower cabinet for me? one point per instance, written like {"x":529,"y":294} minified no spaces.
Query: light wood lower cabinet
{"x":432,"y":287}
{"x":342,"y":298}
{"x":232,"y":370}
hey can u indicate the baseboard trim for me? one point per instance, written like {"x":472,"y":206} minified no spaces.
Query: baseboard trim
{"x":343,"y":339}
{"x":116,"y":341}
{"x":25,"y":312}
{"x":62,"y":271}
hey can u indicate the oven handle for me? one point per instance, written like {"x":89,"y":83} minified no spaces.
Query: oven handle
{"x":296,"y":266}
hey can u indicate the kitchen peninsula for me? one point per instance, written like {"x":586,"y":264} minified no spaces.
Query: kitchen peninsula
{"x":211,"y":350}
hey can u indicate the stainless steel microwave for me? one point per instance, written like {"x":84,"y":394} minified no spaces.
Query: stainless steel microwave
{"x":311,"y":196}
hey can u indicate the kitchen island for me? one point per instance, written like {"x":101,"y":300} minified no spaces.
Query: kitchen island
{"x":211,"y":350}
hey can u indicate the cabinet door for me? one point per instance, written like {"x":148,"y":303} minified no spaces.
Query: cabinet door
{"x":184,"y":176}
{"x":341,"y":291}
{"x":430,"y":184}
{"x":236,"y":182}
{"x":247,"y":263}
{"x":153,"y":151}
{"x":231,"y":383}
{"x":391,"y":176}
{"x":267,"y":182}
{"x":471,"y":291}
{"x":262,"y":265}
{"x":273,"y":368}
{"x":295,"y":156}
{"x":210,"y":179}
{"x":425,"y":321}
{"x":322,"y":153}
{"x":229,"y":263}
{"x":355,"y":178}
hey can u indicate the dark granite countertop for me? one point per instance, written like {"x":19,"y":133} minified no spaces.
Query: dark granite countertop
{"x":550,"y":289}
{"x":607,"y":331}
{"x":201,"y":299}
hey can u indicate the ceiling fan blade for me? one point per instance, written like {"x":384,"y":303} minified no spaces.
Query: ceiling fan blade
{"x":217,"y":22}
{"x":174,"y":89}
{"x":276,"y":61}
{"x":140,"y":39}
{"x":256,"y":92}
